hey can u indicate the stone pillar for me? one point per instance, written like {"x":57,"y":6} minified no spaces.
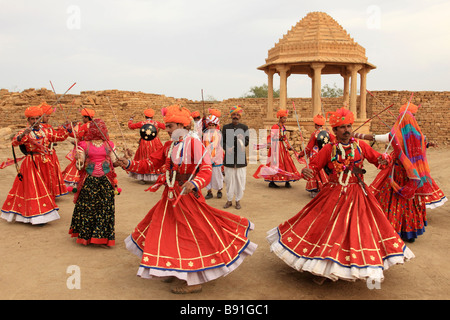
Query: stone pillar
{"x":283,"y":70}
{"x":317,"y":86}
{"x":363,"y":93}
{"x":311,"y":75}
{"x":270,"y":74}
{"x":346,"y":77}
{"x":354,"y":87}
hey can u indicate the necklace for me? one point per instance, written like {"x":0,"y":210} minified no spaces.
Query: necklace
{"x":173,"y":167}
{"x":346,"y":161}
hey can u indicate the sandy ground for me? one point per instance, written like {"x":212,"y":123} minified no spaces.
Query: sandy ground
{"x":35,"y":260}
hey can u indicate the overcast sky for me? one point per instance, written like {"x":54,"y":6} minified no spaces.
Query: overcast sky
{"x":177,"y":48}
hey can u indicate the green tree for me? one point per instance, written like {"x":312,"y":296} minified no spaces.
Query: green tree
{"x":328,"y":92}
{"x":261,"y":92}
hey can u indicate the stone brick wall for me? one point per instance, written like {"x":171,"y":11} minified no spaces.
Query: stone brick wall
{"x":432,"y":116}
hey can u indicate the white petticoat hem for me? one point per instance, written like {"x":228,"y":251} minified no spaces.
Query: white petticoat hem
{"x":437,"y":204}
{"x":143,"y":177}
{"x":330,"y":269}
{"x":195,"y":277}
{"x":11,"y":217}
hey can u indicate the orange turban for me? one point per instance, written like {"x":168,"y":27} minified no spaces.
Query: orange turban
{"x":319,"y":120}
{"x":195,"y":114}
{"x":282,"y":113}
{"x":236,"y":109}
{"x":149,"y":113}
{"x":34,"y":111}
{"x":341,"y":117}
{"x":411,"y":108}
{"x":215,"y":112}
{"x":177,"y":114}
{"x":87,"y":112}
{"x":47,"y":109}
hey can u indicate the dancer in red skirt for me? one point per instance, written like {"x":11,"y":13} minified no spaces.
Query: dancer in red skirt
{"x":146,"y":147}
{"x":71,"y":174}
{"x":313,"y":186}
{"x":58,"y":186}
{"x":30,"y":199}
{"x":279,"y":167}
{"x":191,"y":241}
{"x":342,"y":233}
{"x":403,"y":187}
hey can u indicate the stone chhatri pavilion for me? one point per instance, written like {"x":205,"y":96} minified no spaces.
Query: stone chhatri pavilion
{"x":318,"y":45}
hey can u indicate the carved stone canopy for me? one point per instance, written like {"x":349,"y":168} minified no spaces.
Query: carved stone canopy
{"x":318,"y":45}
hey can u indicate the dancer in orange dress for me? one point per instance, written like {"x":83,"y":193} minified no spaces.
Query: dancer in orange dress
{"x":30,"y":199}
{"x":279,"y":167}
{"x":182,"y":236}
{"x":342,"y":233}
{"x":318,"y":139}
{"x":146,"y":147}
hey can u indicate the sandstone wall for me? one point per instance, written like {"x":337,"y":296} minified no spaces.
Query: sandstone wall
{"x":432,"y":116}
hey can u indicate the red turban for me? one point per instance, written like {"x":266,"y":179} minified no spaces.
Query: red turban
{"x":47,"y":109}
{"x":282,"y":113}
{"x":34,"y":111}
{"x":177,"y":114}
{"x":341,"y":117}
{"x":195,"y":114}
{"x":88,"y":112}
{"x":212,"y":119}
{"x":319,"y":120}
{"x":149,"y":113}
{"x":215,"y":112}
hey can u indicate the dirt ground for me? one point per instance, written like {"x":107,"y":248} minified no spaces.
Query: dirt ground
{"x":35,"y":260}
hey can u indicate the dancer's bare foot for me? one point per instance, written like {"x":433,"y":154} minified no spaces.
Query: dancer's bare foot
{"x":168,"y":279}
{"x":319,"y":280}
{"x":184,"y":289}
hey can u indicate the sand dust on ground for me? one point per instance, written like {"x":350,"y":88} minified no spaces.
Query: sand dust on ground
{"x":38,"y":262}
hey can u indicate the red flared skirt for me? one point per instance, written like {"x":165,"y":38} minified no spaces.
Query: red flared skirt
{"x":192,"y":241}
{"x":144,"y":150}
{"x":437,"y":197}
{"x":279,"y":167}
{"x":57,"y":181}
{"x":407,"y":216}
{"x":71,"y":174}
{"x":316,"y":184}
{"x":30,"y":200}
{"x":340,"y":234}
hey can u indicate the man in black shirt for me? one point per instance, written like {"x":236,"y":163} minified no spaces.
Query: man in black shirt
{"x":235,"y":137}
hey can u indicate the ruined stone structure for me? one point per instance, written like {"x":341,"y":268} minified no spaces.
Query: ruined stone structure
{"x":318,"y":45}
{"x":432,"y":115}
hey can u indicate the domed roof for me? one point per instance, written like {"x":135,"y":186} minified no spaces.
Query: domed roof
{"x":317,"y":38}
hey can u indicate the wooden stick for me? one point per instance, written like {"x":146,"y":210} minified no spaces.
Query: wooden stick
{"x":192,"y":175}
{"x":301,"y":135}
{"x":373,"y":117}
{"x":118,"y":124}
